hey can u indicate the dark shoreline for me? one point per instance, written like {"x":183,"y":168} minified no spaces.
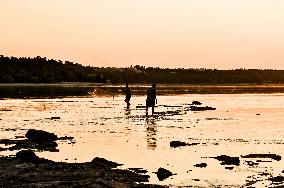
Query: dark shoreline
{"x":93,"y":89}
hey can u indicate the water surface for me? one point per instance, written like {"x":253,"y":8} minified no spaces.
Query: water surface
{"x":242,"y":124}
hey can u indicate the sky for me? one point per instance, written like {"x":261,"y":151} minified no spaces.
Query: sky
{"x":222,"y":34}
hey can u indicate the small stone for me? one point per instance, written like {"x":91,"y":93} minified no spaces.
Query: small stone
{"x":175,"y":144}
{"x":163,"y":174}
{"x":201,"y":165}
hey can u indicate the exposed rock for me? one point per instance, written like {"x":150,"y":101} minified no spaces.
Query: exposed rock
{"x":175,"y":144}
{"x":201,"y":108}
{"x":52,"y":118}
{"x":229,"y":167}
{"x":65,"y":138}
{"x":196,"y":179}
{"x":40,"y":136}
{"x":201,"y":165}
{"x":105,"y":162}
{"x":27,"y":170}
{"x":36,"y":139}
{"x":227,"y":160}
{"x":271,"y":156}
{"x":28,"y":156}
{"x":163,"y":174}
{"x":196,"y":103}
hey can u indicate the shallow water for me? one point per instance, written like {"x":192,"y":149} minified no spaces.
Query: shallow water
{"x":242,"y":124}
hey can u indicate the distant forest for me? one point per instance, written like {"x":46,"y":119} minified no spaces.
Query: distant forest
{"x":43,"y":70}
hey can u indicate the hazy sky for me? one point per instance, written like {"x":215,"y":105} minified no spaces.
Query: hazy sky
{"x":223,"y":34}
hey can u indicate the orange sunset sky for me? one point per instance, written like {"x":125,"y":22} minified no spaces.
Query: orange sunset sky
{"x":222,"y":34}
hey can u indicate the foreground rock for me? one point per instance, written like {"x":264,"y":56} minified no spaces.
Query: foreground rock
{"x":27,"y":170}
{"x":40,"y":136}
{"x":163,"y":174}
{"x":36,"y":139}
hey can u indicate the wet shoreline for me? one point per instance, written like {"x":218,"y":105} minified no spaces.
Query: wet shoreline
{"x":238,"y":142}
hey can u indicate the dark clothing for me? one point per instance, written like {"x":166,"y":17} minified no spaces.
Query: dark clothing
{"x":151,"y":97}
{"x":127,"y":93}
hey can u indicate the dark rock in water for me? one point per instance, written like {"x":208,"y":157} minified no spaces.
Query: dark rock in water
{"x":65,"y":138}
{"x":196,"y":179}
{"x":201,"y":165}
{"x":277,"y":179}
{"x":104,"y":162}
{"x":229,"y":167}
{"x":177,"y":144}
{"x":163,"y":174}
{"x":227,"y":160}
{"x":271,"y":156}
{"x":201,"y":108}
{"x":40,"y":136}
{"x":196,"y":103}
{"x":27,"y":156}
{"x":36,"y":139}
{"x":30,"y":144}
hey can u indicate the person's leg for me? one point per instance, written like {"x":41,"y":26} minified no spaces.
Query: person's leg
{"x":147,"y":106}
{"x":152,"y":105}
{"x":127,"y":100}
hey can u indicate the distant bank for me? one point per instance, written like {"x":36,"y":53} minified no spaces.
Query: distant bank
{"x":43,"y":70}
{"x":61,"y":90}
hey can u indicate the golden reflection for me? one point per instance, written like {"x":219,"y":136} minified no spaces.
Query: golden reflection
{"x":151,"y":129}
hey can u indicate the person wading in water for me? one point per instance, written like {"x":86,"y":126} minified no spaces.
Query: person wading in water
{"x":127,"y":93}
{"x":151,"y":98}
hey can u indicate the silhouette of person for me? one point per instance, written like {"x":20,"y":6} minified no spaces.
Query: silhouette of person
{"x":151,"y":98}
{"x":127,"y":93}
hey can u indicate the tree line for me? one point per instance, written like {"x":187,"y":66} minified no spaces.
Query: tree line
{"x":43,"y":70}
